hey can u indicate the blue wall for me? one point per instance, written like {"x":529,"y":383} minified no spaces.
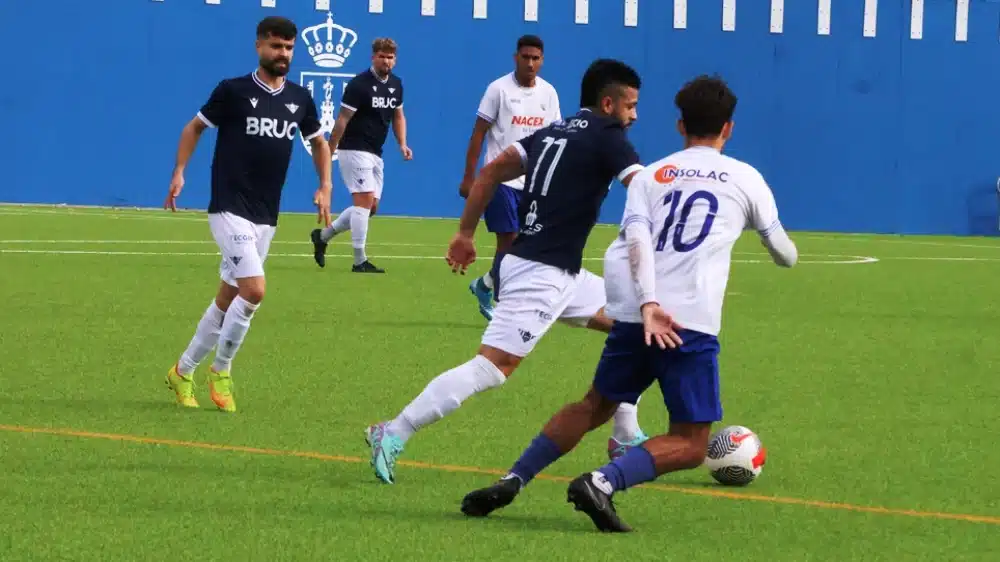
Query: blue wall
{"x":857,"y":134}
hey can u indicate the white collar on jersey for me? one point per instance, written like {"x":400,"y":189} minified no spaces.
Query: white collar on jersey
{"x":513,"y":78}
{"x":375,"y":74}
{"x":265,"y":87}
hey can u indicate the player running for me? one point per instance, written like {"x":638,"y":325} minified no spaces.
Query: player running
{"x":570,"y":165}
{"x":372,"y":100}
{"x":682,"y":217}
{"x":257,"y":116}
{"x":514,"y":106}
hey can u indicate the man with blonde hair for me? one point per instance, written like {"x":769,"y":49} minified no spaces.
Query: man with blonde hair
{"x":372,"y":101}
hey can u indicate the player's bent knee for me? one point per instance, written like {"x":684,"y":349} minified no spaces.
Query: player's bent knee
{"x":251,"y":289}
{"x":365,"y":200}
{"x":600,"y":322}
{"x":503,"y":360}
{"x":225,"y":296}
{"x":601,"y":409}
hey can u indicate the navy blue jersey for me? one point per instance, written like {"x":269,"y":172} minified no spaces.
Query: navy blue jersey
{"x":569,"y":167}
{"x":374,"y":102}
{"x":257,"y":127}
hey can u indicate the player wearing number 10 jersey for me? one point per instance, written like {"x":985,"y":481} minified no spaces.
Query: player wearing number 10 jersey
{"x":568,"y":166}
{"x":682,"y":217}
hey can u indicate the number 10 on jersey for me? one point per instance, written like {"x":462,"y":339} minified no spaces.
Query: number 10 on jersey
{"x":677,"y":239}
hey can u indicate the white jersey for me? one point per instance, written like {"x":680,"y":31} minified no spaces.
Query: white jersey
{"x":696,"y":204}
{"x":515,"y":112}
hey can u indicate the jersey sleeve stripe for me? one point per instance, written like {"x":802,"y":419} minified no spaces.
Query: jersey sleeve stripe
{"x":625,"y":173}
{"x":485,"y":117}
{"x":345,"y":106}
{"x":771,"y":228}
{"x":314,"y":135}
{"x":205,"y":120}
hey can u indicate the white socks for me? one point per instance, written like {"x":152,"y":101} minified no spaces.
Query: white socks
{"x":359,"y":233}
{"x":445,"y":394}
{"x":626,"y":427}
{"x":341,"y":224}
{"x":205,"y":338}
{"x":234,"y":328}
{"x":354,"y":219}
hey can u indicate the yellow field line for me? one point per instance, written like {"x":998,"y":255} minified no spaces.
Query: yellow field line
{"x":991,"y":520}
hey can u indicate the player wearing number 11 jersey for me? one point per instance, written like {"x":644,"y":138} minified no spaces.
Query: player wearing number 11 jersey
{"x":568,"y":166}
{"x":682,"y":217}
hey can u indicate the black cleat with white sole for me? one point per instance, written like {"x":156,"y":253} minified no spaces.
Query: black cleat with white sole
{"x":587,"y":495}
{"x":319,"y":247}
{"x":481,"y":503}
{"x":366,"y":267}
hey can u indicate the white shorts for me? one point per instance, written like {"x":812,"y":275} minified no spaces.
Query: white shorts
{"x":362,"y":171}
{"x":243,"y":244}
{"x":532,"y":296}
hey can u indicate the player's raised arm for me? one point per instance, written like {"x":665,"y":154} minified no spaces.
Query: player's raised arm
{"x":764,"y":218}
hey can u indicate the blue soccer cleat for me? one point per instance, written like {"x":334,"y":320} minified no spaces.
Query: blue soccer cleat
{"x":484,"y":295}
{"x":616,"y":448}
{"x":385,"y":449}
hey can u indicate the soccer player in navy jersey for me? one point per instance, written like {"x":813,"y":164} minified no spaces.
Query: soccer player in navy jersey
{"x":371,"y":103}
{"x":683,"y":215}
{"x":569,"y":166}
{"x":257,"y":116}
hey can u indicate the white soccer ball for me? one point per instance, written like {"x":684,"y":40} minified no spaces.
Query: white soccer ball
{"x":735,"y":456}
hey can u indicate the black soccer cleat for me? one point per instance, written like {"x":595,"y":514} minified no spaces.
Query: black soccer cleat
{"x":319,"y":247}
{"x":366,"y":267}
{"x":481,"y":503}
{"x":587,"y":497}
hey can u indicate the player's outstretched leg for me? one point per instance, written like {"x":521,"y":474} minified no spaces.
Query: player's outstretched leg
{"x":561,"y":434}
{"x":180,"y":377}
{"x":443,"y":395}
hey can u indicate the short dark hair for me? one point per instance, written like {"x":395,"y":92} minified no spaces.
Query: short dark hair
{"x":384,"y":45}
{"x":706,"y":105}
{"x":603,"y":74}
{"x":530,"y":41}
{"x":278,"y":27}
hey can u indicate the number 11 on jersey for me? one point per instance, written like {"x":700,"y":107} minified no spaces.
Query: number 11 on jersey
{"x":673,"y":199}
{"x":549,"y":141}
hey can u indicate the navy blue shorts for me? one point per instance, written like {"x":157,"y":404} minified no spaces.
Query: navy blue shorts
{"x":501,"y":213}
{"x":688,"y":375}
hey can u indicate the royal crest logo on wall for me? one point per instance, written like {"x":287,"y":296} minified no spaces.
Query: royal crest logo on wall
{"x":329,"y":45}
